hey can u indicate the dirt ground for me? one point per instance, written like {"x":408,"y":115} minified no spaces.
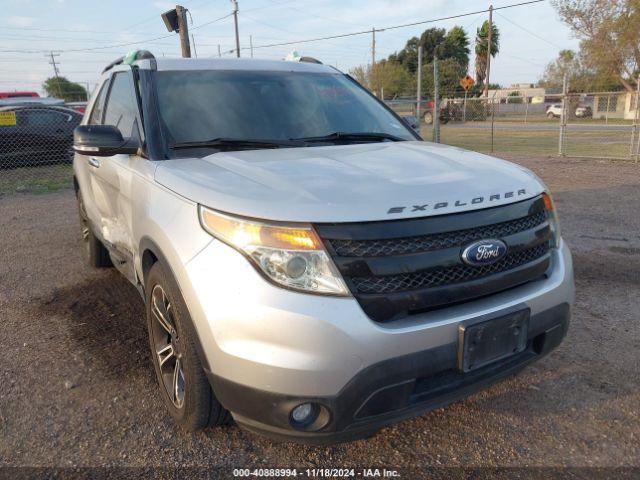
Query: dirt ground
{"x":77,"y":386}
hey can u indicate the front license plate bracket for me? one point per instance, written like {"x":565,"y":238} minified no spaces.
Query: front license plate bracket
{"x":489,"y":341}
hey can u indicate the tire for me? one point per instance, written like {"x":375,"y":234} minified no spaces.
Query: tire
{"x":184,"y":387}
{"x":95,"y":253}
{"x":428,"y":118}
{"x":550,"y":115}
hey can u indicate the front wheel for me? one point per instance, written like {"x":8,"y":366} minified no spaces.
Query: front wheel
{"x":184,"y":387}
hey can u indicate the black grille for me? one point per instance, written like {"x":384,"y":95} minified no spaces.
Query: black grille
{"x":445,"y":276}
{"x":401,"y":246}
{"x":402,"y":267}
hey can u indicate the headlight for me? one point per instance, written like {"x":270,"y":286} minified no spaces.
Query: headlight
{"x":553,"y":219}
{"x":289,"y":255}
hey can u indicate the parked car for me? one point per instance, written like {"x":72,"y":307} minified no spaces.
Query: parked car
{"x":18,"y":94}
{"x":554,"y":111}
{"x":79,"y":107}
{"x":308,"y":264}
{"x":36,"y":135}
{"x":45,"y":101}
{"x":426,"y":108}
{"x":584,"y":112}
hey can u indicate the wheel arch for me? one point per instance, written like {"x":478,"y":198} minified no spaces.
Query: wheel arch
{"x":150,"y":254}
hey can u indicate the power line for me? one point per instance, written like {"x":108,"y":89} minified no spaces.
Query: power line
{"x":90,"y":48}
{"x":211,"y":21}
{"x":394,"y":27}
{"x":154,"y":17}
{"x":103,"y":47}
{"x":529,"y":32}
{"x":465,"y":14}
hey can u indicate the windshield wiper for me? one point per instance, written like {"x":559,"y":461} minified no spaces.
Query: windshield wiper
{"x":225,"y":143}
{"x":354,"y":136}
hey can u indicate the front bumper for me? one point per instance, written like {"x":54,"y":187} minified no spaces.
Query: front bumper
{"x":267,"y":349}
{"x":389,"y":391}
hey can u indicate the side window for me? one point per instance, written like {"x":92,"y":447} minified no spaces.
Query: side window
{"x":43,"y":118}
{"x":122,"y":109}
{"x":98,"y":106}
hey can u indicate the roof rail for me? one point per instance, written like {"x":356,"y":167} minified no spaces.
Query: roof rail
{"x":129,"y":58}
{"x":117,"y":61}
{"x":310,"y":60}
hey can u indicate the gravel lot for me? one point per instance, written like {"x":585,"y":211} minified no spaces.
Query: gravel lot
{"x":78,"y":388}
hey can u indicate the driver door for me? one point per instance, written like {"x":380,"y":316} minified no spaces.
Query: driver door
{"x":111,"y":177}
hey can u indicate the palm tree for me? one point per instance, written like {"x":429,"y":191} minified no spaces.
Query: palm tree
{"x":482,"y":38}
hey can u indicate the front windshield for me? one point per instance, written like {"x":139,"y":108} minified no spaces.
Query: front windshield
{"x":198,"y":106}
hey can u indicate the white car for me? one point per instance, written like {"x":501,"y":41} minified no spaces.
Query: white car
{"x":554,"y":111}
{"x":309,"y":265}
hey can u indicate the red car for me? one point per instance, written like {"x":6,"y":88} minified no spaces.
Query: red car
{"x":427,"y":112}
{"x":79,"y":107}
{"x":18,"y":95}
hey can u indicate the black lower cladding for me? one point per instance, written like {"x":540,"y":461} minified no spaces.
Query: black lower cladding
{"x":391,"y":390}
{"x":397,"y":268}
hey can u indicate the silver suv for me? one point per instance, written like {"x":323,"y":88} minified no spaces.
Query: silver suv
{"x":310,"y":266}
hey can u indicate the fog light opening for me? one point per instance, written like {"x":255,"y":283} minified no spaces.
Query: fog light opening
{"x":309,"y":417}
{"x":304,"y":414}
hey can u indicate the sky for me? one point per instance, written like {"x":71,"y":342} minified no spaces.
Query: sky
{"x":87,"y":35}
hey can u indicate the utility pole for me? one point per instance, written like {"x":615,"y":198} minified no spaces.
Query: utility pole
{"x":219,"y":52}
{"x":251,"y":44}
{"x":486,"y":82}
{"x":176,"y":21}
{"x":436,"y":101}
{"x":193,"y":41}
{"x":234,"y":10}
{"x":183,"y":30}
{"x":419,"y":90}
{"x":55,"y":70}
{"x":373,"y":59}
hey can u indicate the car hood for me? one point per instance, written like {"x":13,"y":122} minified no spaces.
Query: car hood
{"x":347,"y":183}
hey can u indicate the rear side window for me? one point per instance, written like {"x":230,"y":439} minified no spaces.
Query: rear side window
{"x":42,"y":118}
{"x":98,"y":106}
{"x":122,"y":108}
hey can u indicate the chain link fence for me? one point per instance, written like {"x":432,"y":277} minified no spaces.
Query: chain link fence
{"x":36,"y":138}
{"x":599,"y":125}
{"x":36,"y":147}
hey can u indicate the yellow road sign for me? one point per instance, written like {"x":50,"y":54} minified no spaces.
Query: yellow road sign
{"x":7,"y":119}
{"x":466,"y":82}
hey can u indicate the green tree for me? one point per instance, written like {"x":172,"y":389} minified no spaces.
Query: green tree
{"x":361,"y":74}
{"x":388,"y":76}
{"x":482,"y":46}
{"x":580,"y":78}
{"x":430,"y":39}
{"x":392,"y":78}
{"x":397,"y":74}
{"x":610,"y":35}
{"x":61,"y":87}
{"x":449,"y":74}
{"x":456,"y":46}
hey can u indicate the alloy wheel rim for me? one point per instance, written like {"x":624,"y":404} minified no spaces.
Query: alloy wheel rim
{"x":166,"y":344}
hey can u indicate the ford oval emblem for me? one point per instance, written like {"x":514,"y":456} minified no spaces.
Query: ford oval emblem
{"x":484,"y":252}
